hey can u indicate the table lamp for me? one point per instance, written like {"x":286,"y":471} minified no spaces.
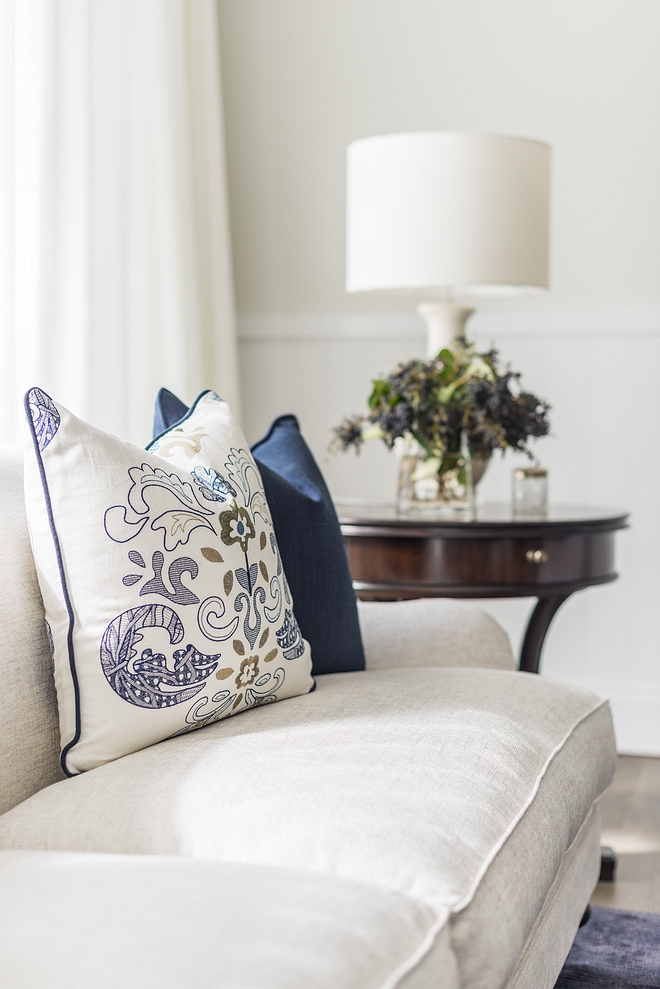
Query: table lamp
{"x":448,"y":218}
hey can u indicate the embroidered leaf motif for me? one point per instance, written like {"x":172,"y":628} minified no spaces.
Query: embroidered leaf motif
{"x":245,"y":579}
{"x":189,"y":444}
{"x":136,"y":558}
{"x":130,"y":579}
{"x":262,"y":540}
{"x":178,"y":519}
{"x":264,"y":572}
{"x":238,"y":647}
{"x":264,"y":638}
{"x":242,"y":469}
{"x":270,"y":656}
{"x":211,"y":555}
{"x":228,"y":581}
{"x":223,"y":674}
{"x":178,"y":527}
{"x":145,"y":477}
{"x":237,"y":702}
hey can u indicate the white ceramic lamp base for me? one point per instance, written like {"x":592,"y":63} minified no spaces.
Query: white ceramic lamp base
{"x":445,"y":321}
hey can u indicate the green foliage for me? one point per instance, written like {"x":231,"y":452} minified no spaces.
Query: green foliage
{"x":433,"y":401}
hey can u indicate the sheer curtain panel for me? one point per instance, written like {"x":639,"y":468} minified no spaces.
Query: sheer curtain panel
{"x":115,"y":272}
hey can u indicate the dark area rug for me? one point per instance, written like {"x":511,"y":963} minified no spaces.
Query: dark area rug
{"x":616,"y":949}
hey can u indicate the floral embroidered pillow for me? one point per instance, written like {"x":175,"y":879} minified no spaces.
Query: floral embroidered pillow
{"x":165,"y":598}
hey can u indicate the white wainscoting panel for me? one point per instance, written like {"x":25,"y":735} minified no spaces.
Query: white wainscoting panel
{"x":600,"y":372}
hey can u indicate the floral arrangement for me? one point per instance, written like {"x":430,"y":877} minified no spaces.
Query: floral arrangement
{"x":434,"y":402}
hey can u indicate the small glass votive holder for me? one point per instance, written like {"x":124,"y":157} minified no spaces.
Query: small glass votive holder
{"x":530,"y":491}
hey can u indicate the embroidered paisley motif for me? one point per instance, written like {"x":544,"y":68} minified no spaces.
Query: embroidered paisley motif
{"x":150,"y":681}
{"x":289,"y":637}
{"x":45,"y":417}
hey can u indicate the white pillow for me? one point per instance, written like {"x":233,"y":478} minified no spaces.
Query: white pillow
{"x":164,"y":592}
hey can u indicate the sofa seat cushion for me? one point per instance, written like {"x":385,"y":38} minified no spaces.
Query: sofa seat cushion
{"x":146,"y":922}
{"x":419,"y":781}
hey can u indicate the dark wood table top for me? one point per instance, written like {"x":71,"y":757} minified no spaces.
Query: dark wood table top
{"x":490,"y":520}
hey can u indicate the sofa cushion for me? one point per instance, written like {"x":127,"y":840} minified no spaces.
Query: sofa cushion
{"x":29,"y":734}
{"x":76,"y":920}
{"x":420,"y":781}
{"x":431,"y":632}
{"x":309,"y":538}
{"x":547,"y":947}
{"x":163,"y":586}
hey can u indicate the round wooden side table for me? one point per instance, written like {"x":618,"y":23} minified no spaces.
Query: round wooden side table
{"x":395,"y":556}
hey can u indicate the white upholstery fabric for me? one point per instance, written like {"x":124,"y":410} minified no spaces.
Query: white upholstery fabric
{"x":29,"y":734}
{"x":76,"y":921}
{"x":422,"y":781}
{"x":554,"y":931}
{"x":489,"y":935}
{"x":163,"y":584}
{"x":431,"y":632}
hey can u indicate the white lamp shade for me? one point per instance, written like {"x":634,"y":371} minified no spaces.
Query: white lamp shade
{"x":432,"y":212}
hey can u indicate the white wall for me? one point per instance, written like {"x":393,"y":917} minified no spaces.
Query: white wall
{"x":302,"y":78}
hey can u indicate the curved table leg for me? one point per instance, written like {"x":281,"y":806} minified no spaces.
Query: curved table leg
{"x":537,"y":627}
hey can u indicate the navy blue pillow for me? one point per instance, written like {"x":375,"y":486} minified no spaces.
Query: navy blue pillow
{"x":168,"y":411}
{"x":309,"y":538}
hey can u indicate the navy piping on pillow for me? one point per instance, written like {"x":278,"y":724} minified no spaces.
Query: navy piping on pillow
{"x":188,"y":414}
{"x":65,"y":591}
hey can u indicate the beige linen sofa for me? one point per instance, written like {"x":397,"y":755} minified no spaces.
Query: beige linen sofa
{"x":429,"y":822}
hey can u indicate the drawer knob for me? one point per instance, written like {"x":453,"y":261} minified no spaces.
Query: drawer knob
{"x":536,"y":556}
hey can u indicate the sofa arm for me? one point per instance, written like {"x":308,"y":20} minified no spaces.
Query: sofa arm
{"x":431,"y":632}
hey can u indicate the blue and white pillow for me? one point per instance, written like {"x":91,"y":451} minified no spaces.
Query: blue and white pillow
{"x":166,"y":600}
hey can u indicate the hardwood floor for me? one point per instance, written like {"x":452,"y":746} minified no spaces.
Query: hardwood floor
{"x":631,"y":826}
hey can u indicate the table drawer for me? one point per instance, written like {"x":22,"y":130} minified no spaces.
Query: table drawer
{"x":489,"y":562}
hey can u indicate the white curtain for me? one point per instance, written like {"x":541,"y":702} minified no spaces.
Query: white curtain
{"x":115,"y":273}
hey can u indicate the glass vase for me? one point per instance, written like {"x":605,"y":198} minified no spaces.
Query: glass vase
{"x":439,"y":485}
